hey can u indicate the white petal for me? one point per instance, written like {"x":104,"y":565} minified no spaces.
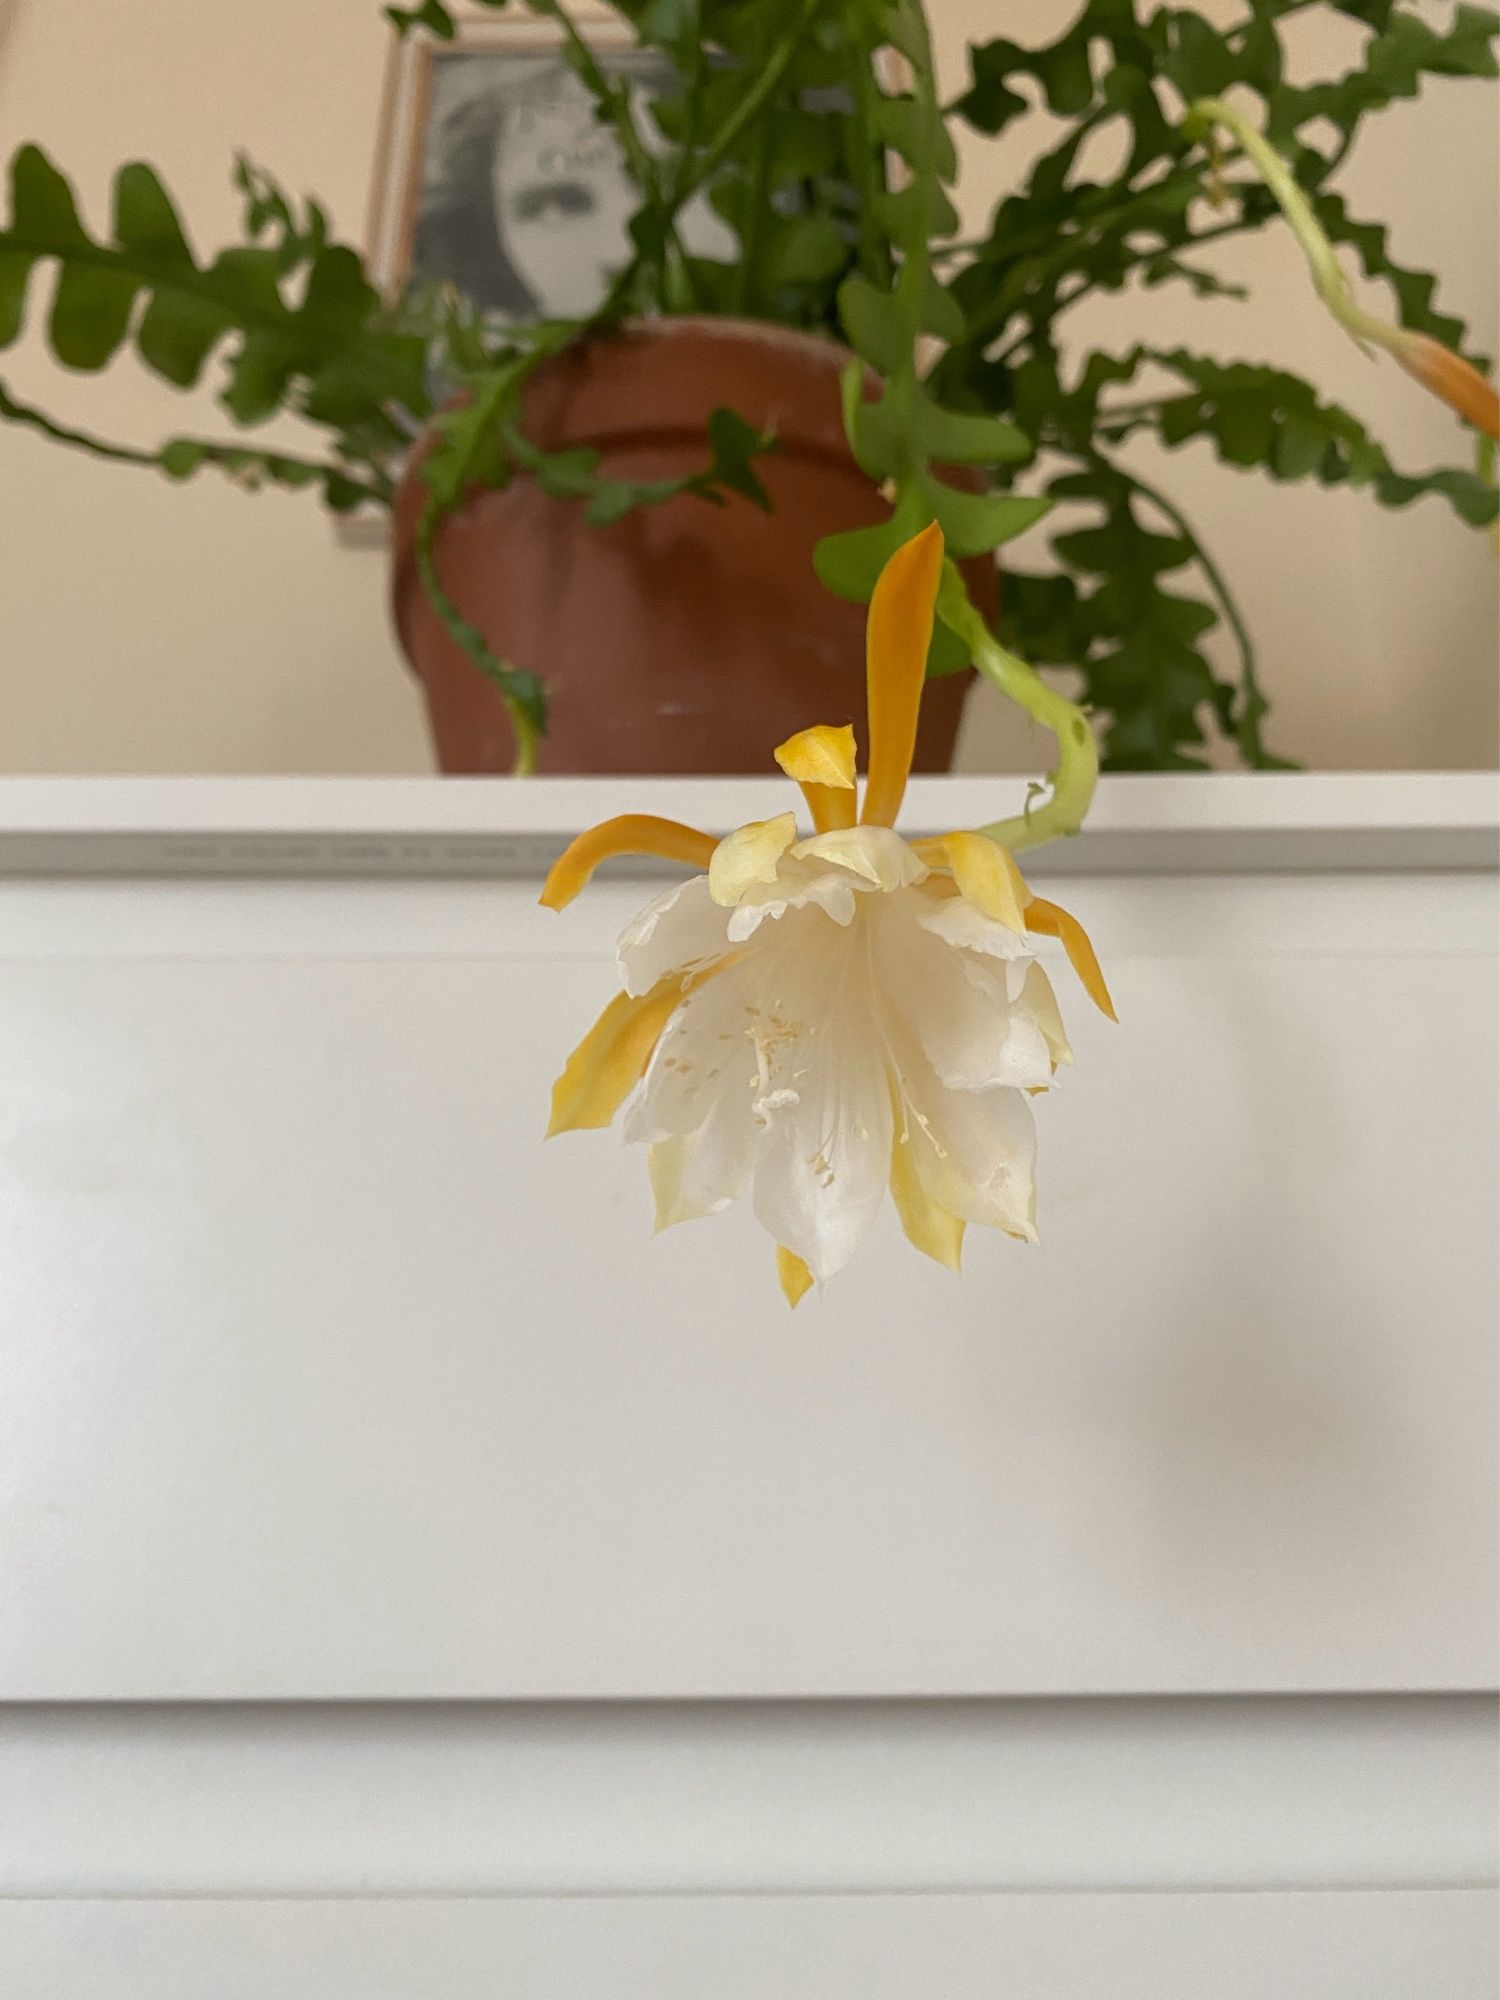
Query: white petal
{"x":980,"y":1154}
{"x":974,"y":1149}
{"x":680,"y":929}
{"x":699,"y":1173}
{"x":1039,"y":1000}
{"x":959,"y":1004}
{"x":705,"y":1057}
{"x":827,"y":871}
{"x":972,"y":1034}
{"x":960,"y":923}
{"x":823,"y":1158}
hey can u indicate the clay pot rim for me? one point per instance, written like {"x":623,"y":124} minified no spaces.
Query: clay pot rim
{"x":735,"y":329}
{"x":620,"y":388}
{"x":614,"y":387}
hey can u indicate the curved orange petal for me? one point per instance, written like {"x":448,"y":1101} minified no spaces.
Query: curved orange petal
{"x":631,"y":833}
{"x":899,"y":633}
{"x":821,"y":760}
{"x":1051,"y":921}
{"x":612,"y":1057}
{"x":985,"y":874}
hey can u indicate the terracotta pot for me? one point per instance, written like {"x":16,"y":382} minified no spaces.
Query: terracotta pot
{"x":685,"y":638}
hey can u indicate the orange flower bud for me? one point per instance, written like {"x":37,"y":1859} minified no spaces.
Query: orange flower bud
{"x":1448,"y":375}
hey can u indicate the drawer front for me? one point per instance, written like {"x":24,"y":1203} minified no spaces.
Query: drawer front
{"x":1355,"y":1945}
{"x":323,"y":1377}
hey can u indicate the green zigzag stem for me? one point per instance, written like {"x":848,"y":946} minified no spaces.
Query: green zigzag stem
{"x":473,"y":642}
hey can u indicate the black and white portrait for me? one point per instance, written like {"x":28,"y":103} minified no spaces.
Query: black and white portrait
{"x":511,"y":189}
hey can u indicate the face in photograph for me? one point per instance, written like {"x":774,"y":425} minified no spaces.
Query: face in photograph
{"x":525,"y":201}
{"x":562,"y":199}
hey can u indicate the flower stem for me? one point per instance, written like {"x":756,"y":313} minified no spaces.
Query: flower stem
{"x":1443,"y":372}
{"x":1327,"y":274}
{"x":1072,"y":782}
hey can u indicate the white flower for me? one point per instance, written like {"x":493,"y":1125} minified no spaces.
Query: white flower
{"x":811,"y":1021}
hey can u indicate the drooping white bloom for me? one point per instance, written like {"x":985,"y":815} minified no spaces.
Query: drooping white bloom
{"x":810,"y":1021}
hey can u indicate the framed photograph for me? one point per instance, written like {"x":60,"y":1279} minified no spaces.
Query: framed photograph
{"x":493,"y":173}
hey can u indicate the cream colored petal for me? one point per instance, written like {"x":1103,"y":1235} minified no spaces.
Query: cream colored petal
{"x":979,"y":1153}
{"x":957,"y":1004}
{"x":873,"y":853}
{"x":798,"y":885}
{"x":958,"y":921}
{"x":819,"y":1179}
{"x":973,"y":1150}
{"x":666,"y":1160}
{"x":1039,"y":1000}
{"x":774,"y":1073}
{"x":749,"y":857}
{"x":695,"y":1174}
{"x":822,"y":1159}
{"x":973,"y":1036}
{"x":704,"y":1067}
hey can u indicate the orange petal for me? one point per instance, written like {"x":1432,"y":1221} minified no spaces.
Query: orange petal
{"x":793,"y":1275}
{"x":1051,"y":921}
{"x":822,"y":762}
{"x":612,"y":1057}
{"x":631,"y":833}
{"x":899,"y":633}
{"x":985,"y":873}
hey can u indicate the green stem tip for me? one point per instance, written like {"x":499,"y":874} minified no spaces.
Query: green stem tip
{"x":1073,"y":780}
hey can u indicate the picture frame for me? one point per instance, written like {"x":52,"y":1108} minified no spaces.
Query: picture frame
{"x":493,"y":174}
{"x":440,"y":139}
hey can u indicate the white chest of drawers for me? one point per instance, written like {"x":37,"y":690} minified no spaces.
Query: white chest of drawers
{"x":321,"y":1380}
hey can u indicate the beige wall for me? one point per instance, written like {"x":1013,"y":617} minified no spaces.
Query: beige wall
{"x":147,"y":627}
